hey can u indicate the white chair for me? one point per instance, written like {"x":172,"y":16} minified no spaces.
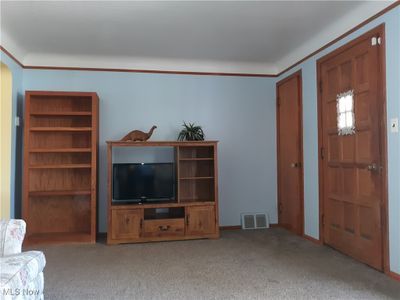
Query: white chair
{"x":21,"y":273}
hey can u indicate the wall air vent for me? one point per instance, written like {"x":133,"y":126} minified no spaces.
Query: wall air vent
{"x":254,"y":220}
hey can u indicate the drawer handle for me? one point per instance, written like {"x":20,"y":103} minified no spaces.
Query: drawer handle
{"x":163,"y":228}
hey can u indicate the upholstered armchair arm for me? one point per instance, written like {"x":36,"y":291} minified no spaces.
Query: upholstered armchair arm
{"x":12,"y":233}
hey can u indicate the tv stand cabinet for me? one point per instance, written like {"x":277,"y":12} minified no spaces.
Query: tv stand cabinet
{"x":193,"y":215}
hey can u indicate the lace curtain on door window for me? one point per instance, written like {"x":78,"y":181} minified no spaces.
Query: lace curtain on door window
{"x":345,"y":113}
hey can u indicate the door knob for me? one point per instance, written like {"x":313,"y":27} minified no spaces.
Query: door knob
{"x":295,"y":165}
{"x":372,"y":167}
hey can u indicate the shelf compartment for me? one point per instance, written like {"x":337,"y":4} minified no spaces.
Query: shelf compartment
{"x":62,"y":158}
{"x":196,"y":169}
{"x":61,"y":166}
{"x":57,"y":121}
{"x":164,"y":213}
{"x":67,"y":129}
{"x":59,"y":179}
{"x":195,"y":190}
{"x":60,"y":150}
{"x":59,"y":214}
{"x":61,"y":113}
{"x":59,"y":193}
{"x":196,"y":152}
{"x":61,"y":139}
{"x":56,"y":103}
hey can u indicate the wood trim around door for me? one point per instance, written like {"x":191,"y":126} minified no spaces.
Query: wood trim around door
{"x":297,"y":74}
{"x":380,"y":31}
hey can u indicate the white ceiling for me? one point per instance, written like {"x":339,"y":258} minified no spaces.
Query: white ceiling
{"x":225,"y":36}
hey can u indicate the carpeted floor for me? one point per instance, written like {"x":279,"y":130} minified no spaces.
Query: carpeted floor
{"x":268,"y":264}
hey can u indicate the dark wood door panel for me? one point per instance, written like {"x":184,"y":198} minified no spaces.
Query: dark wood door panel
{"x":290,"y":155}
{"x":353,"y":190}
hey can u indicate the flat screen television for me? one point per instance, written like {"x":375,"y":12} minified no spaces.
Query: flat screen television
{"x":144,"y":182}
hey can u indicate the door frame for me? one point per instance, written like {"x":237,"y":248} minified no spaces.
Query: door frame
{"x":298,"y":75}
{"x":377,"y":31}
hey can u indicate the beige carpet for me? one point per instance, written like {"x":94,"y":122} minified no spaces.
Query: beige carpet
{"x":268,"y":264}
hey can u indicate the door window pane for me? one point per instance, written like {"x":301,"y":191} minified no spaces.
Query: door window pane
{"x":345,"y":113}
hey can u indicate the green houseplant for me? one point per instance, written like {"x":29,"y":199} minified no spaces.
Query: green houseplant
{"x":191,"y":132}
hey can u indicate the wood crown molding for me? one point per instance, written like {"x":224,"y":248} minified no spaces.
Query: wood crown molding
{"x":385,"y":10}
{"x":377,"y":15}
{"x":11,"y":56}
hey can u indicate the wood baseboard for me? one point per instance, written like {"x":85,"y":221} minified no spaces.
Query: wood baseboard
{"x":311,"y":239}
{"x":394,"y":275}
{"x":234,"y":227}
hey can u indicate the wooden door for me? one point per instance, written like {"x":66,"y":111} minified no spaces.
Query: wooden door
{"x":126,"y":223}
{"x":352,"y":165}
{"x":200,"y":220}
{"x":290,"y":155}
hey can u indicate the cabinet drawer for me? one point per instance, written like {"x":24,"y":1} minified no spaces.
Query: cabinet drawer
{"x":163,"y":228}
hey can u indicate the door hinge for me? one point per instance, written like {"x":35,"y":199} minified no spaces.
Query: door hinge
{"x":320,"y":86}
{"x":322,"y":153}
{"x":323,"y":219}
{"x":278,"y":101}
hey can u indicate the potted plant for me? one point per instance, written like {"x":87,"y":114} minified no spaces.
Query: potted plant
{"x":191,"y":132}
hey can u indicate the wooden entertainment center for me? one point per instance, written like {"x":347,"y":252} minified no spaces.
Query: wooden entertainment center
{"x":193,"y":214}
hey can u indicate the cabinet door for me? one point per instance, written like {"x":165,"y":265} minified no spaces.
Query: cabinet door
{"x":200,"y":220}
{"x":126,"y":223}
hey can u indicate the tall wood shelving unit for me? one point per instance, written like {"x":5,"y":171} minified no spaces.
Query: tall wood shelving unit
{"x":60,"y":167}
{"x":193,"y":214}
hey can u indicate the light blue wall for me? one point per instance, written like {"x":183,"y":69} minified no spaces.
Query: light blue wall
{"x":17,"y":77}
{"x":310,"y":130}
{"x":237,"y":111}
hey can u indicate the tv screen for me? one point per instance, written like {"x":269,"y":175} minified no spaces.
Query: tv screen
{"x":144,"y":182}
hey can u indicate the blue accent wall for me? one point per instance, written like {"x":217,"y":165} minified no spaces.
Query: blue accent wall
{"x":237,"y":111}
{"x":310,"y":130}
{"x":16,"y":134}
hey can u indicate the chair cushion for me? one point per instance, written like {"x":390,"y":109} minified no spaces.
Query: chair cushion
{"x":12,"y":234}
{"x":17,"y":271}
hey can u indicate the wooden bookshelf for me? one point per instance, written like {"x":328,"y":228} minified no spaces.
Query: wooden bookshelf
{"x":193,"y":214}
{"x":60,"y":167}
